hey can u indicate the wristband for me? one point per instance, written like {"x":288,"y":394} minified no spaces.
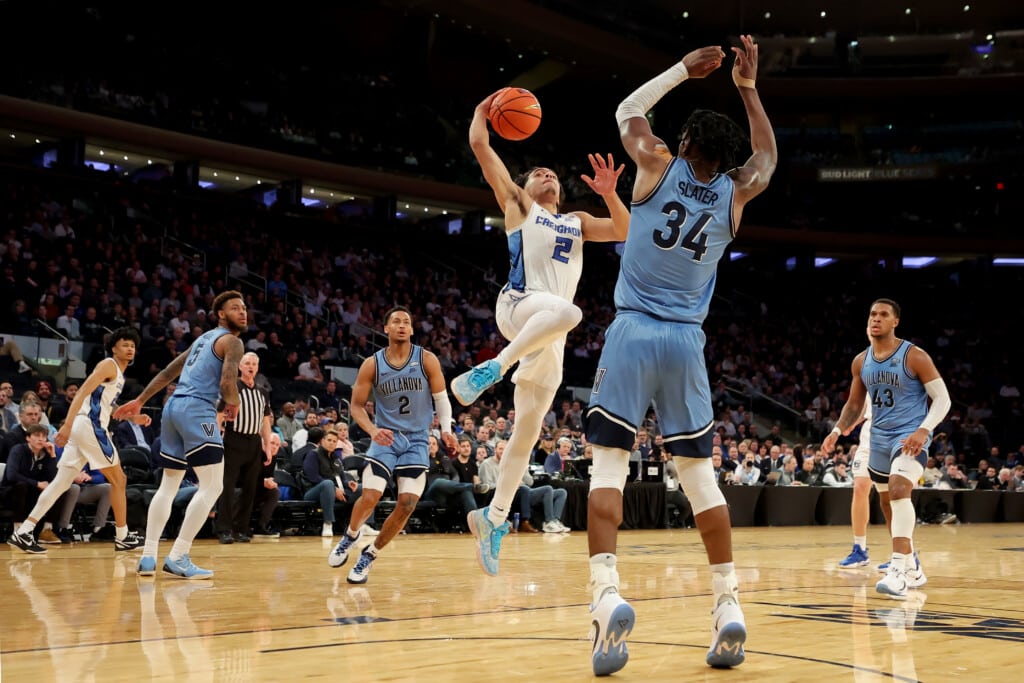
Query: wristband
{"x":837,"y":431}
{"x":742,"y":82}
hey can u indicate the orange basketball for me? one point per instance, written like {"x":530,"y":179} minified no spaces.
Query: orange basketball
{"x":515,"y":114}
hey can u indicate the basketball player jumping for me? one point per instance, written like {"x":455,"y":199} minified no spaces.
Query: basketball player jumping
{"x":190,"y":434}
{"x":686,"y":210}
{"x":534,"y":311}
{"x":86,"y":440}
{"x":408,"y":387}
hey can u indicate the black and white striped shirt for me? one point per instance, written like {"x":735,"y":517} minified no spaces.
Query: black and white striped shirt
{"x":251,"y":410}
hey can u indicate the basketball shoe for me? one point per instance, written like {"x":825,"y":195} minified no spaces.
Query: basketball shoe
{"x":468,"y":386}
{"x":147,"y":566}
{"x":894,"y":583}
{"x":488,"y":538}
{"x":184,"y":569}
{"x":611,"y":622}
{"x":129,"y":542}
{"x":858,"y":557}
{"x":728,"y":628}
{"x":361,"y":572}
{"x":26,"y":543}
{"x":339,"y":555}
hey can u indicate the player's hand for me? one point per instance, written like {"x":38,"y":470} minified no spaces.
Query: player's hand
{"x":129,"y":409}
{"x":913,"y":444}
{"x":449,"y":440}
{"x":385,"y":437}
{"x":829,"y":442}
{"x":61,"y":439}
{"x":745,"y":65}
{"x":230,"y":412}
{"x":142,"y":420}
{"x":485,"y":106}
{"x":606,"y":176}
{"x":703,"y":61}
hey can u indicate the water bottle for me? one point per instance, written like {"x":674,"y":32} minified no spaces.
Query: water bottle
{"x":515,"y":521}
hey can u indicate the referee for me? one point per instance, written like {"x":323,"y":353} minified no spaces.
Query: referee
{"x":246,"y":440}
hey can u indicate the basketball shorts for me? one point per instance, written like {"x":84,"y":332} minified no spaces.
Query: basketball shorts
{"x":189,"y":434}
{"x":886,"y":447}
{"x":89,"y":444}
{"x":645,"y":360}
{"x":407,"y":456}
{"x":544,"y":366}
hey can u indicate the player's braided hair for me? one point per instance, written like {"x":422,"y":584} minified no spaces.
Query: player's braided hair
{"x":717,"y":137}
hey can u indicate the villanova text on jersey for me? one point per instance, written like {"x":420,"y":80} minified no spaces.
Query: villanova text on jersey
{"x":677,"y":235}
{"x":402,"y":397}
{"x":899,"y":401}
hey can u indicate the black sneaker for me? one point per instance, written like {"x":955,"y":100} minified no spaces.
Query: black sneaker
{"x":106,"y":533}
{"x":66,"y":536}
{"x":129,"y":542}
{"x":226,"y":538}
{"x":26,"y":543}
{"x":242,"y":538}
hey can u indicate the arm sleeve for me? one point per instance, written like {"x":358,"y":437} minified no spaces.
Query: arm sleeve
{"x":940,"y":404}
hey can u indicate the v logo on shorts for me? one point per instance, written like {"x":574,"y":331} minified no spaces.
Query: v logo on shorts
{"x":209,"y":428}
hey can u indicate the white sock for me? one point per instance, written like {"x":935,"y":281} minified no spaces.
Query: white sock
{"x":121,"y":532}
{"x":349,"y":531}
{"x":862,"y":541}
{"x":899,"y":560}
{"x":603,"y":575}
{"x":26,"y":527}
{"x":724,"y":583}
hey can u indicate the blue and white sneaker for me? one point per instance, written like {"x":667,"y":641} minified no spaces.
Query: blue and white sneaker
{"x":488,"y":539}
{"x":728,"y":634}
{"x":884,"y":567}
{"x":611,"y":622}
{"x":361,"y":572}
{"x":468,"y":386}
{"x":339,"y":555}
{"x":147,"y":566}
{"x":858,"y":557}
{"x":184,"y":569}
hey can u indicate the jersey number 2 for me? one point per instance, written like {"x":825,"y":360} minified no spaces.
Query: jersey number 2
{"x":563,"y":245}
{"x":403,"y":405}
{"x":695,"y":240}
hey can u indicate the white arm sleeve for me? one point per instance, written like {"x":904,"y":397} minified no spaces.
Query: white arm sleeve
{"x":940,"y":404}
{"x":443,"y":408}
{"x":647,"y":95}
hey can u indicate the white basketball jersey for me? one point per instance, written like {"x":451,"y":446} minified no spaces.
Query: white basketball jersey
{"x":546,"y":253}
{"x":99,"y":405}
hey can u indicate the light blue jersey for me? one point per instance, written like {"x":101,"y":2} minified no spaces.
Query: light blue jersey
{"x":402,"y":398}
{"x":677,"y":235}
{"x":654,"y":349}
{"x":200,"y":378}
{"x":899,"y":404}
{"x":404,"y":404}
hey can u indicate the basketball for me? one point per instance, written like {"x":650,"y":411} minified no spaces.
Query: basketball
{"x":515,"y":114}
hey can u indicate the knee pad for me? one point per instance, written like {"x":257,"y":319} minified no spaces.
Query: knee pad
{"x":903,"y":518}
{"x":373,"y":481}
{"x":610,"y":468}
{"x":697,"y":477}
{"x":411,"y":486}
{"x":908,"y":468}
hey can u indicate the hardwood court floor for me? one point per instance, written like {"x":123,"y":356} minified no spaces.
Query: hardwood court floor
{"x":277,"y":612}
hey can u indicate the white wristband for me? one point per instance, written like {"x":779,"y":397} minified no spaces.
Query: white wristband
{"x":740,"y":81}
{"x":837,"y":431}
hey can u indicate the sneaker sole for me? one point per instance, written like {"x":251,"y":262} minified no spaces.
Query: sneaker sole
{"x":852,"y":565}
{"x":727,"y":651}
{"x":194,"y":577}
{"x":884,"y":589}
{"x":471,"y":523}
{"x":622,"y":620}
{"x":464,"y":399}
{"x":357,"y":581}
{"x":27,"y":551}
